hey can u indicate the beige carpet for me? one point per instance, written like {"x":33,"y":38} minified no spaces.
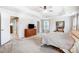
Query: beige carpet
{"x":29,"y":45}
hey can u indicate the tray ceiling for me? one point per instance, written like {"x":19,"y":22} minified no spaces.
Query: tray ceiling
{"x":39,"y":11}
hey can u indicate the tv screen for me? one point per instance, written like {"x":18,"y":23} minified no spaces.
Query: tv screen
{"x":30,"y":26}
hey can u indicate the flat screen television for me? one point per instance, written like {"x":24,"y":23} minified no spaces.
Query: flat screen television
{"x":30,"y":26}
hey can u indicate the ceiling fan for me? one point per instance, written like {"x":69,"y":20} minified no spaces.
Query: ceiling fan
{"x":43,"y":7}
{"x":47,"y":8}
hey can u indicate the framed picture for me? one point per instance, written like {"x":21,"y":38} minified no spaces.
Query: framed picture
{"x":60,"y":24}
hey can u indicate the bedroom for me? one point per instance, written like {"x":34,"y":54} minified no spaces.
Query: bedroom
{"x":57,"y":22}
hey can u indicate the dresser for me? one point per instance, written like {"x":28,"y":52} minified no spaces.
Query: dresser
{"x":29,"y":32}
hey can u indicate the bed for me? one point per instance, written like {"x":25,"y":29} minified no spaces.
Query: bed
{"x":58,"y":39}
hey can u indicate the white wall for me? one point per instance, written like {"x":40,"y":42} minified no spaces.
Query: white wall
{"x":5,"y":25}
{"x":66,"y":19}
{"x":52,"y":25}
{"x":67,"y":24}
{"x":75,"y":22}
{"x":23,"y":24}
{"x":24,"y":20}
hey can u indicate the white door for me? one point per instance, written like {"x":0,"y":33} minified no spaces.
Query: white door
{"x":5,"y":28}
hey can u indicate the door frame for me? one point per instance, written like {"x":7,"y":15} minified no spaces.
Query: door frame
{"x":42,"y":22}
{"x":17,"y":20}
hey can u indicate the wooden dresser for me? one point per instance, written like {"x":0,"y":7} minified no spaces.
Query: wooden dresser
{"x":29,"y":32}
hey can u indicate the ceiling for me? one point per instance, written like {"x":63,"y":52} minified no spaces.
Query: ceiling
{"x":39,"y":11}
{"x":54,"y":10}
{"x":50,"y":9}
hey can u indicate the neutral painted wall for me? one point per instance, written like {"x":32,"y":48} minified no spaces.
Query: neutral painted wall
{"x":66,"y":19}
{"x":5,"y":23}
{"x":24,"y":20}
{"x":23,"y":24}
{"x":67,"y":28}
{"x":52,"y":25}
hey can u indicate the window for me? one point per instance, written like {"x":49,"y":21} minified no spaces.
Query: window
{"x":45,"y":25}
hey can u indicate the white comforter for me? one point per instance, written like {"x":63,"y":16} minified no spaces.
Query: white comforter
{"x":58,"y":39}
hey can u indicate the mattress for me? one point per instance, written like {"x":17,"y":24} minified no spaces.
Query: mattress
{"x":58,"y":39}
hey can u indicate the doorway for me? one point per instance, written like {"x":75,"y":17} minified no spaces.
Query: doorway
{"x":13,"y":26}
{"x":45,"y":26}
